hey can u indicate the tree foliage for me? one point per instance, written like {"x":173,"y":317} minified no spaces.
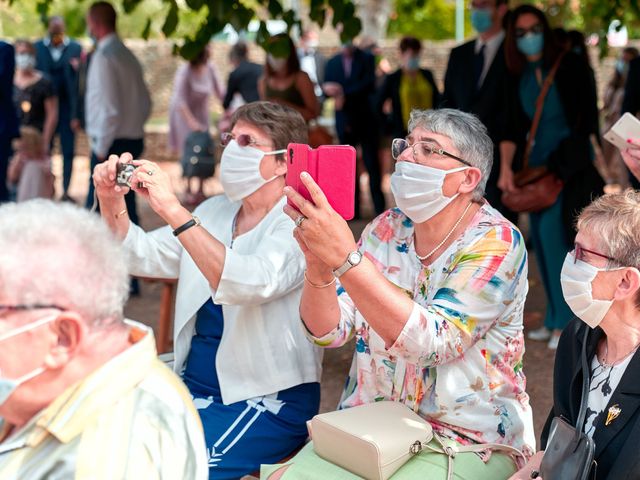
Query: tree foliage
{"x":193,"y":22}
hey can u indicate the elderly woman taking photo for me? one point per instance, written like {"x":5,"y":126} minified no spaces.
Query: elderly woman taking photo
{"x":239,"y":345}
{"x":601,"y":283}
{"x":433,"y":293}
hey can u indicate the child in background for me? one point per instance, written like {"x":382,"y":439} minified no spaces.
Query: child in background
{"x":30,"y":168}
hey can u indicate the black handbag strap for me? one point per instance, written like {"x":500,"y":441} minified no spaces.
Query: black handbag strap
{"x":585,"y":385}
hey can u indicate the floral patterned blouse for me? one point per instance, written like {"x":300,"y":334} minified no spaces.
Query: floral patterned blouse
{"x":458,"y":360}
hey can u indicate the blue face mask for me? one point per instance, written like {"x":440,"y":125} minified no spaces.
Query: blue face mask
{"x":531,"y":44}
{"x":481,"y":19}
{"x":621,"y":67}
{"x":413,"y":64}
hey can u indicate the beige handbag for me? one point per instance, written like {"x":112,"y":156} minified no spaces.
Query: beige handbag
{"x":374,"y":440}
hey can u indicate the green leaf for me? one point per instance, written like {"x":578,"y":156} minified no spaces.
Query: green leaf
{"x":195,"y":4}
{"x":171,"y":22}
{"x":290,"y":18}
{"x":147,"y":30}
{"x":279,"y":46}
{"x":275,"y":8}
{"x":262,"y":36}
{"x":129,"y":5}
{"x":351,"y":29}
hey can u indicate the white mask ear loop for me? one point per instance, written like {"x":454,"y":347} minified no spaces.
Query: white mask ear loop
{"x":27,"y":327}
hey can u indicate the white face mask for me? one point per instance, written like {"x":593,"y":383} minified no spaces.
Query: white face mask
{"x":417,"y":190}
{"x":25,"y":61}
{"x":240,"y":170}
{"x":576,"y":278}
{"x":10,"y":385}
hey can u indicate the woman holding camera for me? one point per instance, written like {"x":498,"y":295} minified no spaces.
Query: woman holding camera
{"x":239,"y":345}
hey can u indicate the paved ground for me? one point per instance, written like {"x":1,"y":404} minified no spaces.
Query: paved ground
{"x":538,"y":362}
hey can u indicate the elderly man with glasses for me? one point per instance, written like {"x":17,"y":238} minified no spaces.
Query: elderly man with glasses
{"x":82,"y":392}
{"x":433,"y":293}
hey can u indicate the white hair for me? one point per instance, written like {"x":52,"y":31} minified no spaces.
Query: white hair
{"x":468,"y":135}
{"x":60,"y":254}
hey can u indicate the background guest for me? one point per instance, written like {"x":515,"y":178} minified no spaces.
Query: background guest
{"x":30,"y":167}
{"x":562,"y":144}
{"x":34,"y":94}
{"x":631,"y":102}
{"x":350,"y":81}
{"x":193,"y":85}
{"x":242,"y":84}
{"x":115,"y":116}
{"x":59,"y":57}
{"x":408,"y":88}
{"x":475,"y":82}
{"x":284,"y":82}
{"x":312,"y":62}
{"x":615,"y":171}
{"x":8,"y":118}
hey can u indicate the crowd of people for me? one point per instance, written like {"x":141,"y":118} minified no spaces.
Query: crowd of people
{"x":433,"y":292}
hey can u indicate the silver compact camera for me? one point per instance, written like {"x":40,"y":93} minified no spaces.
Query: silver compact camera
{"x":123,"y":174}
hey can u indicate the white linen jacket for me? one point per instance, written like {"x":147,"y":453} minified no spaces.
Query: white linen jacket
{"x":263,"y":349}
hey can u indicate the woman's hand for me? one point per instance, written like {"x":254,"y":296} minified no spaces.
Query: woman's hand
{"x":505,"y":180}
{"x":104,"y":178}
{"x":323,"y":235}
{"x":152,"y":183}
{"x":532,"y":465}
{"x":631,"y":157}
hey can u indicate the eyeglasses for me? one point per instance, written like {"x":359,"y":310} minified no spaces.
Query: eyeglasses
{"x":422,"y":150}
{"x":521,"y":32}
{"x":579,"y":251}
{"x":244,"y":140}
{"x":4,"y":309}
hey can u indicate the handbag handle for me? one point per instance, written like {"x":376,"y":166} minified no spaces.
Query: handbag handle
{"x":538,"y":114}
{"x":585,"y":387}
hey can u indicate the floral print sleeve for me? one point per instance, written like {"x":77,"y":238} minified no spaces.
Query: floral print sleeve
{"x":477,"y":289}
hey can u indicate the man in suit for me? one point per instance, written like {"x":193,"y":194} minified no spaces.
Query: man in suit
{"x":8,"y":117}
{"x":475,"y":82}
{"x":243,"y":80}
{"x":312,"y":61}
{"x":350,"y":79}
{"x":59,"y":56}
{"x":631,"y":102}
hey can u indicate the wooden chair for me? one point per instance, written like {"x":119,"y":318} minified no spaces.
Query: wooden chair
{"x":164,"y":341}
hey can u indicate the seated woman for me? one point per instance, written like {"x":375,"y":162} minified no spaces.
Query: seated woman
{"x":601,"y":284}
{"x":433,"y":293}
{"x":239,"y":345}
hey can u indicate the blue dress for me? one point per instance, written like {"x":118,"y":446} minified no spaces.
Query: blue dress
{"x":547,"y":231}
{"x":243,"y":435}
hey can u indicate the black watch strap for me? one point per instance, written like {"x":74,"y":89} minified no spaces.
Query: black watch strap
{"x":195,"y":221}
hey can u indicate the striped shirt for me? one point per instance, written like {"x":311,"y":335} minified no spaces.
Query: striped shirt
{"x":130,"y":419}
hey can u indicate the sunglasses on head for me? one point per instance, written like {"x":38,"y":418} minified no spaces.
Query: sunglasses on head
{"x":521,"y":32}
{"x":244,"y":140}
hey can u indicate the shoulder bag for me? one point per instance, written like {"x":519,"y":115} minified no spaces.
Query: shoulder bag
{"x":538,"y":188}
{"x":570,"y":451}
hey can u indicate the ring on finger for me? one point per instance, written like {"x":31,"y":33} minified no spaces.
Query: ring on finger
{"x":150,"y":172}
{"x":299,"y":220}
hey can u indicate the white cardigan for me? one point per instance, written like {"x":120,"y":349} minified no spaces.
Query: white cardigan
{"x":263,"y":349}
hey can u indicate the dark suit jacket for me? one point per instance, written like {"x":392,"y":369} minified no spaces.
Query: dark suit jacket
{"x":572,"y":161}
{"x":617,"y":443}
{"x":390,"y":89}
{"x":357,"y":113}
{"x":63,"y":75}
{"x":631,"y":102}
{"x":488,"y":102}
{"x":243,"y":80}
{"x":8,"y":117}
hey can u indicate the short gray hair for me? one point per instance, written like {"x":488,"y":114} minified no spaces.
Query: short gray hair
{"x":614,"y":220}
{"x":61,"y":254}
{"x":468,"y":135}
